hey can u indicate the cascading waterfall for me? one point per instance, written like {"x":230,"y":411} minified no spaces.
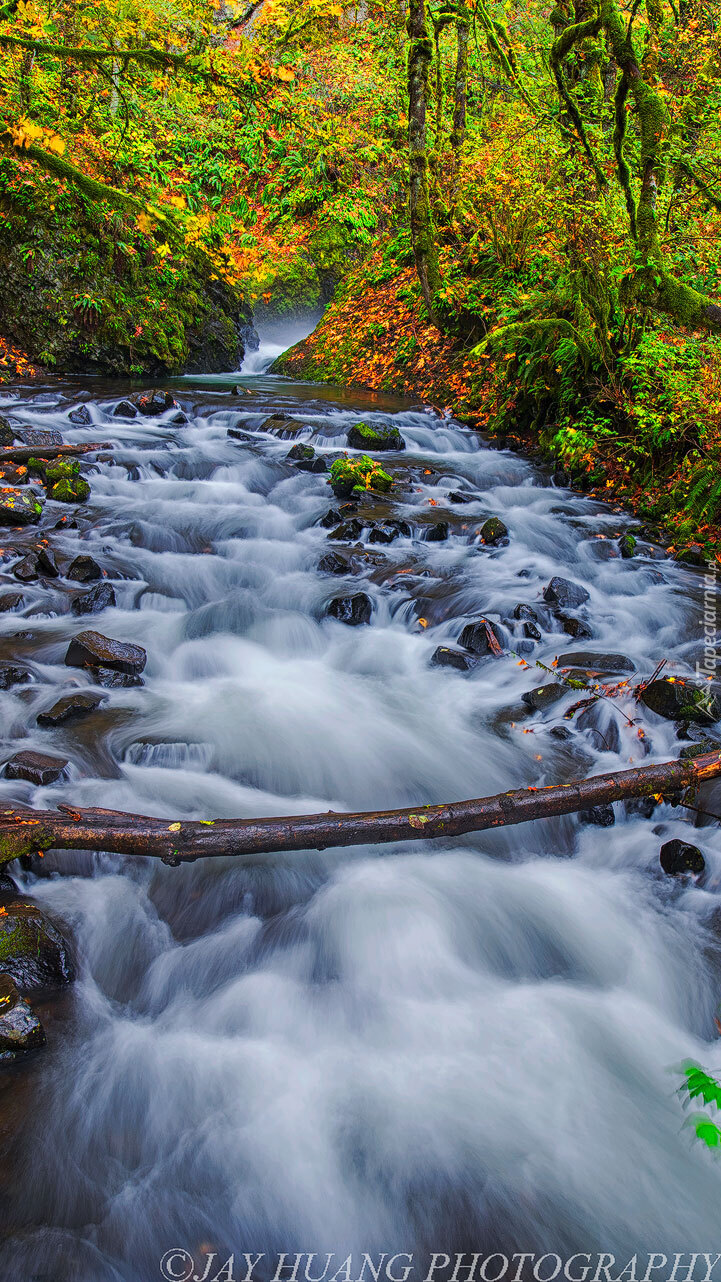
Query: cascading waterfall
{"x":411,"y":1049}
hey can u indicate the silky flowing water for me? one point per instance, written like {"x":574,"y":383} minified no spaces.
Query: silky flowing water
{"x":452,"y":1046}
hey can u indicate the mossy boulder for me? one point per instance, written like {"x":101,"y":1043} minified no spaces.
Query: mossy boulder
{"x":19,"y":507}
{"x":33,"y":952}
{"x":64,"y":482}
{"x":494,"y":531}
{"x":20,"y":1028}
{"x":363,"y":437}
{"x":355,"y":476}
{"x":676,"y":699}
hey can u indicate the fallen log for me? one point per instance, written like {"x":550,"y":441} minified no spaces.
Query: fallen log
{"x":23,"y":453}
{"x":24,"y":831}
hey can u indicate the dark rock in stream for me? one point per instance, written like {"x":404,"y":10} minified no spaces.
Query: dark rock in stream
{"x":111,"y":680}
{"x":39,"y":437}
{"x":27,"y":569}
{"x":627,"y":546}
{"x":35,"y":767}
{"x":332,"y":563}
{"x":700,"y":748}
{"x":282,"y":425}
{"x":83,"y":570}
{"x":101,"y":597}
{"x":32,"y":950}
{"x":598,"y":816}
{"x":383,"y":533}
{"x":12,"y":675}
{"x":446,"y":657}
{"x":532,"y":631}
{"x":348,"y":532}
{"x":482,"y":638}
{"x":575,"y":628}
{"x":437,"y":533}
{"x":20,"y":1028}
{"x":369,"y":439}
{"x":457,"y":496}
{"x":494,"y":532}
{"x":81,"y":416}
{"x":46,"y":562}
{"x":18,"y":507}
{"x":331,"y":518}
{"x":353,"y":610}
{"x":591,"y":662}
{"x":680,"y":857}
{"x":99,"y":651}
{"x":70,"y":708}
{"x":156,"y":402}
{"x":125,"y":409}
{"x":543,"y":696}
{"x":681,"y":700}
{"x":11,"y":601}
{"x":8,"y":889}
{"x":564,"y":593}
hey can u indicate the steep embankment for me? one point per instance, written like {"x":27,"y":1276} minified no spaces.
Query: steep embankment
{"x":86,"y":289}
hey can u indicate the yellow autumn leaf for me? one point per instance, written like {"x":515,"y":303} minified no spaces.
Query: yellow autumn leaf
{"x":173,"y":827}
{"x":144,"y":223}
{"x":164,"y":250}
{"x":178,"y":202}
{"x":285,"y":73}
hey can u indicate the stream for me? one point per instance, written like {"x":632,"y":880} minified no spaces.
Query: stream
{"x":462,"y":1046}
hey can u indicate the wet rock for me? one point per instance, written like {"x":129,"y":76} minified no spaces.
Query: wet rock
{"x":155,"y":402}
{"x":699,"y":749}
{"x":32,"y":950}
{"x":70,"y":708}
{"x":694,"y":555}
{"x":13,"y":474}
{"x":348,"y":532}
{"x":352,"y":610}
{"x":481,"y":638}
{"x":383,"y":534}
{"x":39,"y":437}
{"x":8,"y":889}
{"x":627,"y":546}
{"x":46,"y":562}
{"x":522,"y":611}
{"x":12,"y":675}
{"x":438,"y":532}
{"x":282,"y":425}
{"x":331,"y":518}
{"x":598,"y":816}
{"x":83,"y":570}
{"x":564,"y":593}
{"x":561,"y":732}
{"x":7,"y":432}
{"x":64,"y":484}
{"x":589,"y":661}
{"x":11,"y":601}
{"x":680,"y":857}
{"x":543,"y":696}
{"x":300,"y":453}
{"x":20,"y":1028}
{"x":532,"y":631}
{"x":101,"y":597}
{"x":98,"y":651}
{"x":111,"y":680}
{"x":81,"y":416}
{"x":575,"y":628}
{"x":446,"y":657}
{"x":332,"y":563}
{"x":180,"y":419}
{"x":457,"y":496}
{"x":27,"y":569}
{"x":35,"y":767}
{"x":17,"y":507}
{"x":125,"y":409}
{"x":369,"y":439}
{"x":681,"y":700}
{"x":493,"y":531}
{"x":640,"y":807}
{"x":305,"y":459}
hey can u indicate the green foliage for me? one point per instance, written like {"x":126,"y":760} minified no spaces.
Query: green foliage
{"x":698,"y":1084}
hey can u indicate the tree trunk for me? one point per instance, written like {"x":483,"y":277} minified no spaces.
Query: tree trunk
{"x":25,"y":832}
{"x":420,"y":55}
{"x":460,"y":87}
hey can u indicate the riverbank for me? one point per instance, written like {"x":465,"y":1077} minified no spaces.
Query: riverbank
{"x":375,"y":334}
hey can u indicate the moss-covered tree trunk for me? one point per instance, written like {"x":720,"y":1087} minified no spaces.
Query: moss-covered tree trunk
{"x":658,"y":286}
{"x":460,"y":85}
{"x":420,"y":54}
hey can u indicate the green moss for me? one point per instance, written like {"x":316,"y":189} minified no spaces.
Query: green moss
{"x":64,"y":482}
{"x":348,"y":476}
